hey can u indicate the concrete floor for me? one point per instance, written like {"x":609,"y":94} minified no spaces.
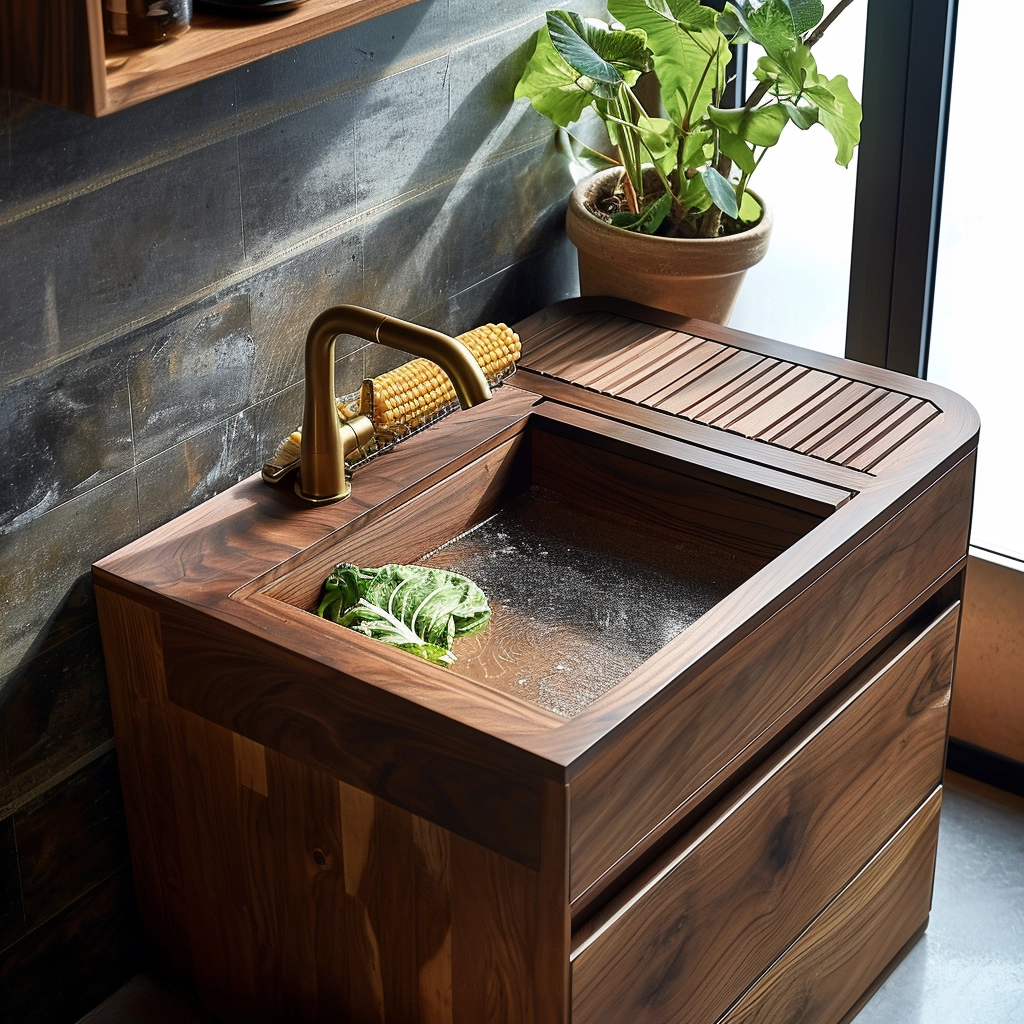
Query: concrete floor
{"x":967,"y":969}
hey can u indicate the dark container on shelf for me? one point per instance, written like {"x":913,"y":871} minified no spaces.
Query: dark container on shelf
{"x":147,"y":21}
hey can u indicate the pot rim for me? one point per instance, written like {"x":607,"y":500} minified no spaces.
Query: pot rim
{"x":598,"y":183}
{"x":600,"y":240}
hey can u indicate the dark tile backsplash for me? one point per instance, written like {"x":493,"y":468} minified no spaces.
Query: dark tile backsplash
{"x":159,"y":269}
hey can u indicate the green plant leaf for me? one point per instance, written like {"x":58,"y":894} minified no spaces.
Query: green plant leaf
{"x":661,"y":139}
{"x":379,"y":624}
{"x":721,"y":190}
{"x":761,"y":126}
{"x":551,"y":85}
{"x":694,"y":147}
{"x":736,"y":150}
{"x":771,"y":25}
{"x":649,"y":219}
{"x":839,"y":113}
{"x":415,"y":607}
{"x":696,"y":195}
{"x":601,"y":55}
{"x":732,"y":22}
{"x":805,"y":14}
{"x":750,"y":209}
{"x":802,"y":117}
{"x":684,"y":40}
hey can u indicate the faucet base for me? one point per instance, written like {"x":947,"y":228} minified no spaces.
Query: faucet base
{"x":330,"y":500}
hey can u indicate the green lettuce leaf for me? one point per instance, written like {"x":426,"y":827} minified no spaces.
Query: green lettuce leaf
{"x":416,"y":608}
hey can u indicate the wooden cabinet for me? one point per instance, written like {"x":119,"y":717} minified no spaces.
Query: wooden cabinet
{"x":56,"y":50}
{"x":742,"y":828}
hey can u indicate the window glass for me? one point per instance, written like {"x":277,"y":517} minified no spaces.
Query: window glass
{"x":798,"y":293}
{"x":977,"y":342}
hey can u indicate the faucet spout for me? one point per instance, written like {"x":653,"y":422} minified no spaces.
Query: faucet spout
{"x":326,"y":441}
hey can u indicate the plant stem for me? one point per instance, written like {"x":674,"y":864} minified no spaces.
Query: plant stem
{"x":809,"y":40}
{"x":817,"y":33}
{"x":590,"y":149}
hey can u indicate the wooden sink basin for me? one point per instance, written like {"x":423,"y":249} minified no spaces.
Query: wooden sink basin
{"x":694,"y":763}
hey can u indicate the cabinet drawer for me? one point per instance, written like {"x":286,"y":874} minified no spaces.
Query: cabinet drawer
{"x":700,"y":926}
{"x":848,"y":945}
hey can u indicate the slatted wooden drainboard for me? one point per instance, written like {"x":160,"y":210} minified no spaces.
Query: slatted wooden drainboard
{"x":824,"y":415}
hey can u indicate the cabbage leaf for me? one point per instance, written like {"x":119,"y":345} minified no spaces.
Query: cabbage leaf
{"x":416,"y":608}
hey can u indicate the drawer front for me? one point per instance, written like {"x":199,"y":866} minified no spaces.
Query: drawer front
{"x":861,"y":931}
{"x":688,"y":938}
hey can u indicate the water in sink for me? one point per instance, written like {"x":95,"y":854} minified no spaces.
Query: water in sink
{"x":579,"y":601}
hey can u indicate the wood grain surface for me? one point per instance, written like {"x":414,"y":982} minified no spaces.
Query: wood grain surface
{"x":294,"y":790}
{"x":56,"y":51}
{"x":745,"y":392}
{"x":52,"y":50}
{"x":823,"y":973}
{"x":683,"y":942}
{"x":660,"y":769}
{"x":313,"y":900}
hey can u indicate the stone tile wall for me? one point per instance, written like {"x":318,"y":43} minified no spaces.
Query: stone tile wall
{"x":158,"y":271}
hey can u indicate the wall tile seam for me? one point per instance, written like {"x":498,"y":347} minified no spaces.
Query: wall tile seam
{"x":21,"y":523}
{"x":275,"y":258}
{"x":81,"y":896}
{"x":237,"y":125}
{"x":220,"y":424}
{"x":15,"y":805}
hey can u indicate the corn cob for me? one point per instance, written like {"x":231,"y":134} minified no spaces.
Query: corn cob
{"x":417,"y":391}
{"x":411,"y":395}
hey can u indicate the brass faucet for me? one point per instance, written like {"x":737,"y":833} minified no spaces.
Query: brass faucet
{"x":325,"y":439}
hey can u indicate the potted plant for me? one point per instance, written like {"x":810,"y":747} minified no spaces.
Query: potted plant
{"x":672,"y":222}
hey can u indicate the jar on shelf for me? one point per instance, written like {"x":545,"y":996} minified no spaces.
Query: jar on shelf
{"x":147,"y":21}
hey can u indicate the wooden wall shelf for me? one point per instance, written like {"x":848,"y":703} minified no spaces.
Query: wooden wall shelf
{"x":56,"y":50}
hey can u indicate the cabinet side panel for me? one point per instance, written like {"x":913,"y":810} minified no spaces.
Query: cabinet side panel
{"x":134,"y":661}
{"x":280,"y":893}
{"x":52,"y":50}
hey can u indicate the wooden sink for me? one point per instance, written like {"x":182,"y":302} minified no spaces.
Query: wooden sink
{"x":693,"y":817}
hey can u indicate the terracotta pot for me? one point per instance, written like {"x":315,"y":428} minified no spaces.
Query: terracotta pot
{"x":698,"y":277}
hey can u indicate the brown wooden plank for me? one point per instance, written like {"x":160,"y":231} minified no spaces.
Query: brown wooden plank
{"x":804,"y":424}
{"x":823,"y":973}
{"x":52,"y":50}
{"x":510,"y":939}
{"x":585,"y":335}
{"x":759,"y":375}
{"x":635,"y":363}
{"x":849,"y":419}
{"x":215,"y":44}
{"x":581,"y":353}
{"x":756,"y":393}
{"x":250,"y":764}
{"x":670,"y":376}
{"x":563,"y":329}
{"x":133,"y":645}
{"x":744,"y":884}
{"x":661,"y":769}
{"x":671,"y":501}
{"x":795,"y":395}
{"x":432,"y":860}
{"x":866,"y":425}
{"x":731,"y":447}
{"x":721,"y":376}
{"x":892,"y":436}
